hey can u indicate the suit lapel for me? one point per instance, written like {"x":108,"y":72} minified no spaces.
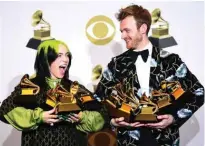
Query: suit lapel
{"x":155,"y":70}
{"x":133,"y":73}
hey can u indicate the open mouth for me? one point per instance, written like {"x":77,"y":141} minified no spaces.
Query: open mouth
{"x":62,"y":69}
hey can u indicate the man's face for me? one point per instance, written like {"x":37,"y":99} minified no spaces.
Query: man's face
{"x":59,"y":66}
{"x":130,"y":33}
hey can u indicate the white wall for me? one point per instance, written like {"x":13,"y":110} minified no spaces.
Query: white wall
{"x":68,"y":21}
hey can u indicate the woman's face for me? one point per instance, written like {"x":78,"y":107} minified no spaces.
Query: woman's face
{"x":59,"y":66}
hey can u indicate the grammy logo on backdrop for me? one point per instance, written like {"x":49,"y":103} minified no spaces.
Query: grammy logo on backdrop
{"x":160,"y":31}
{"x":42,"y":30}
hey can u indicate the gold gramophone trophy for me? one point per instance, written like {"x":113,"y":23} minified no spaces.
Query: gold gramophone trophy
{"x":68,"y":101}
{"x":27,"y":87}
{"x":62,"y":99}
{"x":171,"y":96}
{"x":160,"y":31}
{"x":123,"y":103}
{"x":96,"y":74}
{"x":41,"y":30}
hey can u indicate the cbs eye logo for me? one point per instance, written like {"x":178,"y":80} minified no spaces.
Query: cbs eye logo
{"x":100,"y":30}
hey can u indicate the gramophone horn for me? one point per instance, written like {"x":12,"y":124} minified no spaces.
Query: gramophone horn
{"x":96,"y":72}
{"x":37,"y":17}
{"x":156,"y":15}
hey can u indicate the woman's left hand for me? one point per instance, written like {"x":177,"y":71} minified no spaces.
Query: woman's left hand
{"x":166,"y":120}
{"x":75,"y":118}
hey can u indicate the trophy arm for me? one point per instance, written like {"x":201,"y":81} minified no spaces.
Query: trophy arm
{"x":45,"y":22}
{"x":162,"y":20}
{"x":125,"y":96}
{"x":155,"y":107}
{"x":116,"y":101}
{"x":137,"y":110}
{"x":134,"y":99}
{"x":120,"y":93}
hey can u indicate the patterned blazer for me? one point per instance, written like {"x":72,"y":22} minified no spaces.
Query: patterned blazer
{"x":164,"y":66}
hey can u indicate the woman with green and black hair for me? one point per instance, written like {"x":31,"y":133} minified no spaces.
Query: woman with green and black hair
{"x":48,"y":52}
{"x":30,"y":113}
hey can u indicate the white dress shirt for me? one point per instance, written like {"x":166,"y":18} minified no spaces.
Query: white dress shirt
{"x":143,"y":70}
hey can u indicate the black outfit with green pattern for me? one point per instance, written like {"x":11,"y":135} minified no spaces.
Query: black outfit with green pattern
{"x":61,"y":134}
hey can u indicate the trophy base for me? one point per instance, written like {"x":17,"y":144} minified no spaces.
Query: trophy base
{"x":68,"y":107}
{"x":104,"y":137}
{"x":163,"y":42}
{"x":42,"y":34}
{"x":33,"y":43}
{"x":114,"y":112}
{"x":145,"y":118}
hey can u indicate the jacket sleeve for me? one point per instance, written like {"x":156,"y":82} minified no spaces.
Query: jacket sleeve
{"x":91,"y":121}
{"x":108,"y":79}
{"x":24,"y":119}
{"x":189,"y":82}
{"x":18,"y":116}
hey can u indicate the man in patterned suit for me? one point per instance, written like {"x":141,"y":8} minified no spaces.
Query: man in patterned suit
{"x":144,"y":66}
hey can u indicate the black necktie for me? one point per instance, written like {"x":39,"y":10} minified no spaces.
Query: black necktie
{"x":144,"y":54}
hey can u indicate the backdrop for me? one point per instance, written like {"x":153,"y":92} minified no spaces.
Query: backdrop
{"x":80,"y":25}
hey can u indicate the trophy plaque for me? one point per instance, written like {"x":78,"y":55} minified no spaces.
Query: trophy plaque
{"x":160,"y":31}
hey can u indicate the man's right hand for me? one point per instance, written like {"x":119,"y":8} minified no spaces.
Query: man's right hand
{"x":50,"y":117}
{"x":119,"y":122}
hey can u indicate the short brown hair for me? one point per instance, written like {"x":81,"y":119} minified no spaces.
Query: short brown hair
{"x":140,"y":14}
